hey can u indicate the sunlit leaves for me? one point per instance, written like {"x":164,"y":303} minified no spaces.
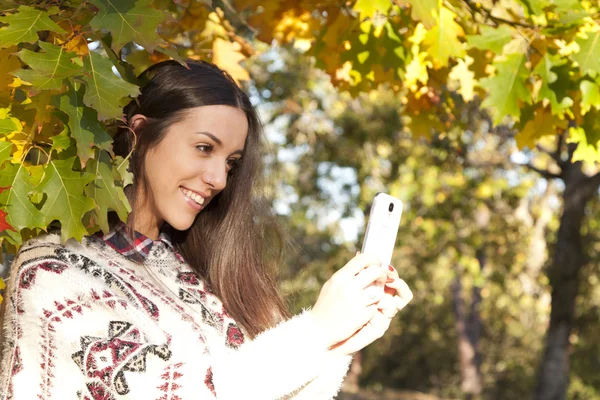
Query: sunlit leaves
{"x":588,"y":56}
{"x":24,"y":25}
{"x":129,"y":20}
{"x":507,"y":88}
{"x":227,"y":55}
{"x":442,"y":40}
{"x":104,"y":88}
{"x":426,"y":11}
{"x":490,"y":38}
{"x":105,"y":193}
{"x":548,"y":77}
{"x":21,"y":182}
{"x":542,"y":124}
{"x":83,"y":124}
{"x":66,"y":203}
{"x":590,"y":95}
{"x":8,"y":124}
{"x":48,"y":69}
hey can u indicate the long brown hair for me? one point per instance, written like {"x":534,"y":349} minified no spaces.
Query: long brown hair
{"x":232,"y":240}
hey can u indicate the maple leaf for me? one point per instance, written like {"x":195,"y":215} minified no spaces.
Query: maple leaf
{"x":227,"y":56}
{"x":542,"y":124}
{"x":545,"y":71}
{"x":48,"y":69}
{"x":129,"y":20}
{"x":8,"y":64}
{"x":104,"y":88}
{"x":104,"y":191}
{"x":590,"y":95}
{"x":588,"y":56}
{"x":426,"y":11}
{"x":20,"y":180}
{"x":66,"y":202}
{"x":8,"y":124}
{"x":3,"y":224}
{"x":442,"y":40}
{"x":83,"y":124}
{"x":507,"y":87}
{"x":490,"y":38}
{"x":24,"y":25}
{"x":370,"y":8}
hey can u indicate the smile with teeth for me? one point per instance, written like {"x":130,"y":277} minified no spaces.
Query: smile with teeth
{"x":193,"y":196}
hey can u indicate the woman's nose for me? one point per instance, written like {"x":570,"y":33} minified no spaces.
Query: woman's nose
{"x":216,"y":176}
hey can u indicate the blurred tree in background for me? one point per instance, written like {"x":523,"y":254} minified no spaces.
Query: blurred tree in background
{"x":424,"y":99}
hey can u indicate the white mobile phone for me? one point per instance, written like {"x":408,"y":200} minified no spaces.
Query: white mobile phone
{"x":382,"y":227}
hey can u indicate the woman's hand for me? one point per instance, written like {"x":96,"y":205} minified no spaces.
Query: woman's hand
{"x":344,"y":306}
{"x":396,"y":296}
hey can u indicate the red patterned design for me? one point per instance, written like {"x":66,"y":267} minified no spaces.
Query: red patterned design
{"x":208,"y":381}
{"x":169,"y":386}
{"x":104,"y":361}
{"x":235,"y":337}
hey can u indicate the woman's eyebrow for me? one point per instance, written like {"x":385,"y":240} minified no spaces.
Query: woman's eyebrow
{"x":213,"y":137}
{"x":218,"y":141}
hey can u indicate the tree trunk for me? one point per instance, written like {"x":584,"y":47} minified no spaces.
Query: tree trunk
{"x":568,"y":258}
{"x":468,"y":330}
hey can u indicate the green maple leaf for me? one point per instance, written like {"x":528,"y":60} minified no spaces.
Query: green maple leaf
{"x":104,"y":88}
{"x":104,"y":191}
{"x":490,"y":38}
{"x":545,"y":71}
{"x":9,"y":124}
{"x":62,"y":141}
{"x":129,"y":20}
{"x":507,"y":87}
{"x":5,"y":151}
{"x":24,"y":25}
{"x":22,"y":213}
{"x":588,"y":56}
{"x":426,"y":11}
{"x":83,"y":124}
{"x":590,"y":95}
{"x":48,"y":69}
{"x":66,"y":202}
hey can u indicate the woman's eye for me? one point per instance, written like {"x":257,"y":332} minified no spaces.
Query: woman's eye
{"x":205,"y":148}
{"x":232,"y":164}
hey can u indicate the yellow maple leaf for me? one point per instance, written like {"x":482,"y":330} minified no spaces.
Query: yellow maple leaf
{"x":227,"y":55}
{"x":542,"y":124}
{"x":462,"y":79}
{"x":8,"y":64}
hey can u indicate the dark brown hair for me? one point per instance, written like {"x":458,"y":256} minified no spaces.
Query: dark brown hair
{"x":230,"y":241}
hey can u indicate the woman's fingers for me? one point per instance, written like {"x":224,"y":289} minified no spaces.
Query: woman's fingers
{"x":357,"y":264}
{"x":403,"y":293}
{"x":370,"y":275}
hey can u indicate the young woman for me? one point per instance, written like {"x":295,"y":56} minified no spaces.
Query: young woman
{"x":178,"y":303}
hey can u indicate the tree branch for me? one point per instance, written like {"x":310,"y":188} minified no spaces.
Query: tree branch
{"x":488,"y":14}
{"x":543,"y":172}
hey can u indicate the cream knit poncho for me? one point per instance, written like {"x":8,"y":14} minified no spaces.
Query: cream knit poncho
{"x":84,"y":322}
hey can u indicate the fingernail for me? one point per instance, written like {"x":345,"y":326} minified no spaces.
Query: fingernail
{"x":391,"y":268}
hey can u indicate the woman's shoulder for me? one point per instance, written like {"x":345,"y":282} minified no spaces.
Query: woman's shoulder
{"x":48,"y":251}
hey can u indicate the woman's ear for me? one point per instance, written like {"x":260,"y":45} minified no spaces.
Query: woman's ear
{"x":137,"y":120}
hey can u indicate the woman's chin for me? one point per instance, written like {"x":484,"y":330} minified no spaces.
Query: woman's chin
{"x":181,"y":223}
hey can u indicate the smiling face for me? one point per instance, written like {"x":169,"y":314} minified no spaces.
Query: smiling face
{"x":189,"y":166}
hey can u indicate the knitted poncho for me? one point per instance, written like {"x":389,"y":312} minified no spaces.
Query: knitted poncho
{"x":83,"y":321}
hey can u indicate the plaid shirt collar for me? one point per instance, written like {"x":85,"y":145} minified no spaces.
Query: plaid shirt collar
{"x":138,"y":248}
